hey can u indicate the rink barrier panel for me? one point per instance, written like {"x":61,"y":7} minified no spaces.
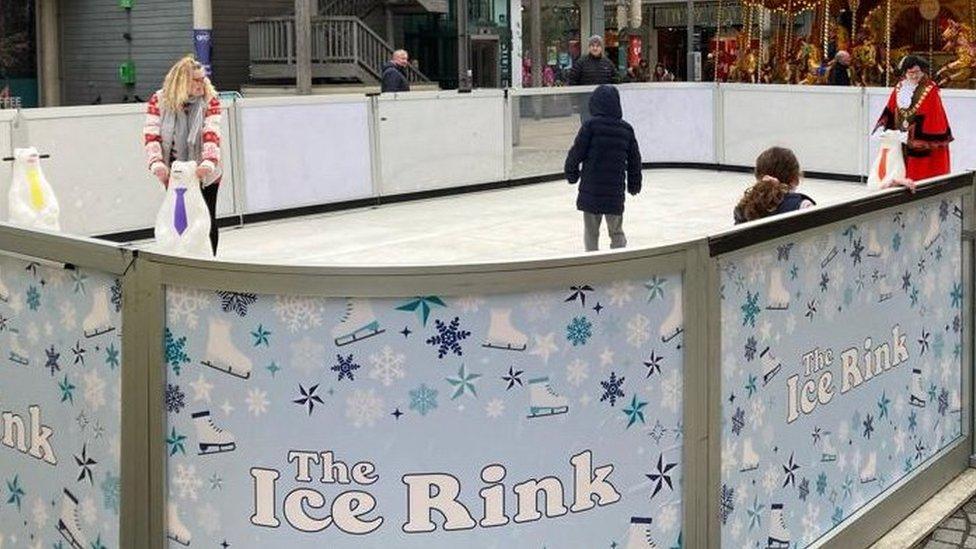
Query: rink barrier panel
{"x":6,"y":149}
{"x":885,"y":510}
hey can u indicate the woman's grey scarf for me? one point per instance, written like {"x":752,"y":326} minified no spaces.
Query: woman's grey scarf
{"x":182,"y":131}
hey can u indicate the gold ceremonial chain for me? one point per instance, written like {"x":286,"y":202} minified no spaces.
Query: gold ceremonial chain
{"x":906,"y":114}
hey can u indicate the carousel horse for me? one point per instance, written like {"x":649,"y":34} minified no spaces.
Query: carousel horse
{"x":958,"y":38}
{"x":807,"y":62}
{"x":864,"y":61}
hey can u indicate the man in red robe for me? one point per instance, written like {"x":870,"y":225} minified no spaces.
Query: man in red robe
{"x":915,"y":107}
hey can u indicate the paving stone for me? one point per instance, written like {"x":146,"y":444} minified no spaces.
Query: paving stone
{"x":972,"y":518}
{"x":940,"y":545}
{"x":970,"y":542}
{"x":949,"y":536}
{"x":970,"y":507}
{"x":954,"y":524}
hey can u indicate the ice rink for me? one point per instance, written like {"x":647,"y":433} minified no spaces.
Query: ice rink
{"x":533,"y":221}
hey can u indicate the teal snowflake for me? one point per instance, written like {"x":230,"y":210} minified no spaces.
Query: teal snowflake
{"x":912,"y":421}
{"x":273,"y":368}
{"x":97,"y":544}
{"x":112,"y":356}
{"x":423,"y":399}
{"x":78,"y":281}
{"x":33,"y":298}
{"x":635,"y":412}
{"x":755,"y":513}
{"x":956,"y":295}
{"x":751,"y":385}
{"x":896,"y":242}
{"x":261,"y":336}
{"x":678,"y":543}
{"x":655,"y":288}
{"x":176,"y":443}
{"x":908,"y":465}
{"x":938,"y":345}
{"x":16,"y":492}
{"x":794,"y":272}
{"x":750,"y":309}
{"x":883,"y":405}
{"x":822,"y":484}
{"x":579,"y":331}
{"x":422,"y":305}
{"x":848,"y":487}
{"x":838,"y":516}
{"x":463,"y":383}
{"x":111,"y":492}
{"x":67,"y":391}
{"x":175,"y":349}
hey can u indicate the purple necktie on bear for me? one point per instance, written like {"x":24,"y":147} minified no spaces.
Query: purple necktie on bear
{"x":179,"y":214}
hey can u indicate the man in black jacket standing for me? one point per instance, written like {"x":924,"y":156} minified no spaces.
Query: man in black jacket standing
{"x":395,"y":73}
{"x":592,"y":69}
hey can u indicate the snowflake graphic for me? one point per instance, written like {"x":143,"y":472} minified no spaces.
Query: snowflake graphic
{"x":387,"y":366}
{"x":738,"y":421}
{"x":612,"y":389}
{"x":175,"y":350}
{"x":67,"y":391}
{"x":943,"y":402}
{"x":470,"y":303}
{"x":235,"y":302}
{"x":579,"y":331}
{"x":364,"y":408}
{"x":307,"y":355}
{"x":116,"y":291}
{"x":537,"y":306}
{"x":495,"y":408}
{"x":750,"y":351}
{"x":661,"y":475}
{"x":620,"y":293}
{"x":655,"y":288}
{"x":423,"y":399}
{"x":69,"y":316}
{"x":257,"y":402}
{"x":448,"y":338}
{"x":186,"y":481}
{"x":299,"y":313}
{"x":463,"y":383}
{"x":638,"y":330}
{"x":345,"y":367}
{"x":16,"y":492}
{"x":176,"y":443}
{"x":208,"y":517}
{"x":33,"y":298}
{"x":182,"y":305}
{"x":804,"y":489}
{"x":822,"y":484}
{"x":577,"y":372}
{"x":175,"y":399}
{"x":750,"y":309}
{"x":112,"y":356}
{"x":671,"y":391}
{"x":728,"y":502}
{"x":423,"y":305}
{"x":94,"y":390}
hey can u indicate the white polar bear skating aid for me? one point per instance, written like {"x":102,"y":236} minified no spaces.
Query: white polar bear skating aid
{"x":183,"y":221}
{"x":31,"y":199}
{"x":890,"y":163}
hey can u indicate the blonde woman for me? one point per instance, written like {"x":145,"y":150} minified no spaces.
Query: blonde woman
{"x":183,"y":123}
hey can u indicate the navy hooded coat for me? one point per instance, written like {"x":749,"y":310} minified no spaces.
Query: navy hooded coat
{"x":607,"y":149}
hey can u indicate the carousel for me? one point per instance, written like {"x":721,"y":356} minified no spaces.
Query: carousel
{"x":796,"y":41}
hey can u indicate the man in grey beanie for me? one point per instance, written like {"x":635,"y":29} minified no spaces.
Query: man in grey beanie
{"x":592,"y":69}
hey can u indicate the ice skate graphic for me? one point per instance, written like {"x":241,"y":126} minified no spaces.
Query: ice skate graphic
{"x":829,"y":454}
{"x":18,"y":354}
{"x":918,"y":392}
{"x":98,"y":321}
{"x":934,"y":231}
{"x":869,"y":469}
{"x":779,"y":536}
{"x":175,"y":530}
{"x":874,"y":247}
{"x":502,"y":335}
{"x":357,"y":323}
{"x":672,"y":325}
{"x":884,"y":290}
{"x":210,"y":438}
{"x":222,"y":354}
{"x":779,"y":296}
{"x":771,"y":366}
{"x":544,"y":401}
{"x":830,"y":257}
{"x":68,"y":524}
{"x":750,"y":459}
{"x":639,"y":535}
{"x":4,"y":291}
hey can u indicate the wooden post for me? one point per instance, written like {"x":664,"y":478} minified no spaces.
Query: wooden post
{"x":303,"y":47}
{"x":48,"y":53}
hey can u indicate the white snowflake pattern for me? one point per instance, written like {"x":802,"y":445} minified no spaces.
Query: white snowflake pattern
{"x":48,"y":329}
{"x":758,"y":412}
{"x":470,"y":303}
{"x":33,"y":333}
{"x":495,"y":408}
{"x":209,"y":518}
{"x":899,"y":441}
{"x":729,"y":459}
{"x":667,"y":517}
{"x":364,"y":408}
{"x":638,"y":330}
{"x":182,"y":305}
{"x":299,"y":313}
{"x":94,"y":390}
{"x":387,"y":366}
{"x":89,"y":511}
{"x":621,"y":293}
{"x":201,"y":389}
{"x":187,"y":482}
{"x":811,"y":523}
{"x":770,"y":481}
{"x":537,"y":306}
{"x":69,"y":315}
{"x":39,"y":514}
{"x":577,"y":372}
{"x":736,"y":529}
{"x":17,"y":304}
{"x":544,"y":346}
{"x":307,"y":355}
{"x":257,"y":402}
{"x":671,"y":391}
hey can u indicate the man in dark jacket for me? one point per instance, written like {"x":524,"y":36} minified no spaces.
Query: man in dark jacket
{"x":839,"y":72}
{"x":592,"y":69}
{"x":395,"y":73}
{"x":607,"y":148}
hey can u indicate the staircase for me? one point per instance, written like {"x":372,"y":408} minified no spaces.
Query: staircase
{"x":344,"y":48}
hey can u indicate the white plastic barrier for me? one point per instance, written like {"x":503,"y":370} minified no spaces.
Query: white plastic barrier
{"x":441,"y":139}
{"x":674,"y":122}
{"x":97,"y":167}
{"x":822,"y":125}
{"x":302,"y":151}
